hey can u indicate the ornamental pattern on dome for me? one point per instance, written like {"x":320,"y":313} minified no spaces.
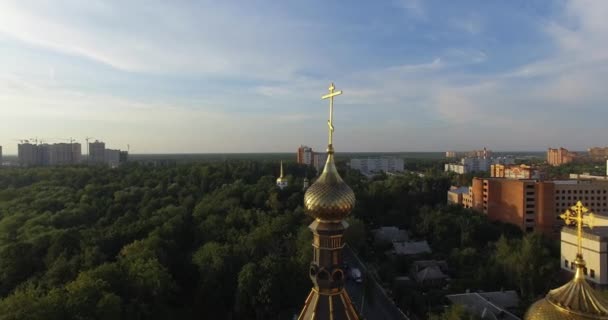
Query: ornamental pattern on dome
{"x":576,"y":299}
{"x":329,"y":198}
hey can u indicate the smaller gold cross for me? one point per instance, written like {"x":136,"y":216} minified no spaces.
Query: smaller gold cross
{"x":330,"y":122}
{"x":578,"y":215}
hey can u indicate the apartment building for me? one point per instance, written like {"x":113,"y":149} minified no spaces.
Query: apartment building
{"x":536,"y":205}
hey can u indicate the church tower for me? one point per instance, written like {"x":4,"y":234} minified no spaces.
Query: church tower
{"x":576,"y":299}
{"x":329,"y":200}
{"x":281,"y":180}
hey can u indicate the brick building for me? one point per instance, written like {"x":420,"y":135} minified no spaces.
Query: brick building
{"x":305,"y":155}
{"x":536,"y":205}
{"x":557,"y":157}
{"x":514,"y":171}
{"x":598,"y":154}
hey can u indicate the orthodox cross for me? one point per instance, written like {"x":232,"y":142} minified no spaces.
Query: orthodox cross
{"x":577,"y":215}
{"x":332,"y":93}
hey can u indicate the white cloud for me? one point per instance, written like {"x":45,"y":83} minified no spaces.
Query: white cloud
{"x":396,"y":106}
{"x":164,"y":38}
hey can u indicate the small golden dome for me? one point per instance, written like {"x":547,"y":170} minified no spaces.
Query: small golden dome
{"x":573,"y":301}
{"x":281,"y":179}
{"x":329,"y":198}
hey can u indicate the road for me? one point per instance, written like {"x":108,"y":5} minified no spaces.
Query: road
{"x":377,"y":305}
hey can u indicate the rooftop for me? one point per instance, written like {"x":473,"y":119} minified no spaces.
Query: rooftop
{"x":597,"y":233}
{"x":411,"y":248}
{"x":390,"y":234}
{"x":430,"y":273}
{"x":488,"y":305}
{"x":460,"y":190}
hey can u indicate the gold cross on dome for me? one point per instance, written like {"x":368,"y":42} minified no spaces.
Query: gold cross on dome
{"x":578,"y":215}
{"x":330,"y":123}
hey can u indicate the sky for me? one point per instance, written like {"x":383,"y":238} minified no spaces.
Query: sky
{"x":247,"y":76}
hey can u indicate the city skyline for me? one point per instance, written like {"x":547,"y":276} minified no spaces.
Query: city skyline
{"x":217,"y":77}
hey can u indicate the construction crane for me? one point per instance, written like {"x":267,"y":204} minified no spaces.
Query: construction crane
{"x":88,"y":154}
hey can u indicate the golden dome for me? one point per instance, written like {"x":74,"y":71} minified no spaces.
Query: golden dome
{"x":573,"y":301}
{"x":329,"y":198}
{"x":281,"y":178}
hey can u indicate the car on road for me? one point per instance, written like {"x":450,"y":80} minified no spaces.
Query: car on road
{"x":355,"y":274}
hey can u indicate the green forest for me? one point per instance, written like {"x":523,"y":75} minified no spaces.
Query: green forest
{"x":218,"y":240}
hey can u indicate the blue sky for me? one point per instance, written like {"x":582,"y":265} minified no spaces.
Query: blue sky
{"x":247,"y":76}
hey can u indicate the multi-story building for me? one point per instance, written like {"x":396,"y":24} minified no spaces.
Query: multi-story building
{"x":27,"y":154}
{"x":461,"y":196}
{"x":318,"y":161}
{"x":536,"y":205}
{"x":124,"y":156}
{"x":598,"y":154}
{"x":514,"y":172}
{"x":557,"y":157}
{"x":305,"y":155}
{"x":476,"y":164}
{"x":468,"y":165}
{"x":97,"y":151}
{"x":595,"y":251}
{"x":483,"y":153}
{"x":450,"y":154}
{"x":112,"y":157}
{"x":62,"y":153}
{"x":371,"y":165}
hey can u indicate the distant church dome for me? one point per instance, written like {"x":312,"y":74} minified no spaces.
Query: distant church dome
{"x":281,"y":180}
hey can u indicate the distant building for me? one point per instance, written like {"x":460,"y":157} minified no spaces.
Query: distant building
{"x":476,"y":164}
{"x":460,"y":196}
{"x":27,"y":154}
{"x":61,"y":153}
{"x":587,"y":176}
{"x":514,"y":171}
{"x":430,"y":273}
{"x":595,"y":245}
{"x":557,"y":157}
{"x":124,"y":156}
{"x":97,"y":152}
{"x":598,"y":154}
{"x":450,"y":154}
{"x":44,"y":154}
{"x":536,"y":205}
{"x":411,"y":248}
{"x":319,"y":160}
{"x":305,"y":184}
{"x":305,"y":155}
{"x":390,"y":234}
{"x":483,"y":153}
{"x":468,"y":165}
{"x":0,"y":155}
{"x":488,"y":305}
{"x":112,"y":157}
{"x":373,"y":165}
